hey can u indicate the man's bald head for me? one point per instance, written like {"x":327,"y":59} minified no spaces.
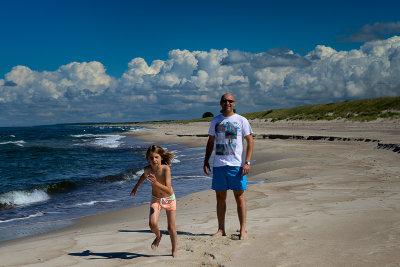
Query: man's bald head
{"x":227,"y":96}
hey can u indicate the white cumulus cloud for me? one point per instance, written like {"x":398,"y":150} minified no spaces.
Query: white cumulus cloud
{"x":189,"y":83}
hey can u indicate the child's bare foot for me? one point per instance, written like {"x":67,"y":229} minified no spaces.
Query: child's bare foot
{"x":175,"y":254}
{"x":220,"y":232}
{"x":156,"y":242}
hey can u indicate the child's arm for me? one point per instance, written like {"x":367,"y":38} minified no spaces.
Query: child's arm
{"x":167,"y":188}
{"x":141,"y":180}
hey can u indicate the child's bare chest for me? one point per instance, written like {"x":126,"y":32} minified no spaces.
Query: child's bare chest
{"x":160,"y":177}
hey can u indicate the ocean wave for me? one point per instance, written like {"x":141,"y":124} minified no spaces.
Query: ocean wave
{"x":15,"y":198}
{"x":95,"y":202}
{"x":15,"y":143}
{"x":7,"y":136}
{"x":38,"y":214}
{"x":191,"y":177}
{"x":114,"y":177}
{"x":108,"y":141}
{"x":101,"y":140}
{"x":138,"y":129}
{"x":135,"y":175}
{"x":175,"y":159}
{"x":130,"y":174}
{"x":140,"y":172}
{"x":60,"y":187}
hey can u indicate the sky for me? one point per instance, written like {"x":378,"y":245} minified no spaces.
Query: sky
{"x":72,"y":61}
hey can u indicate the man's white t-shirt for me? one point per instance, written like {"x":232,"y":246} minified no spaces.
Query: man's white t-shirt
{"x":229,"y":133}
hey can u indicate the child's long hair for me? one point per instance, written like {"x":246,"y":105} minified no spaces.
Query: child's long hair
{"x":166,"y":156}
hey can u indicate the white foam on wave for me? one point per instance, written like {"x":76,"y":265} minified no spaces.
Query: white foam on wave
{"x":175,"y":160}
{"x":94,"y":202}
{"x":82,"y":135}
{"x":109,"y":141}
{"x":137,"y":129}
{"x":23,"y":197}
{"x":17,"y":143}
{"x":191,"y":177}
{"x":102,"y":140}
{"x":139,"y":173}
{"x":38,"y":214}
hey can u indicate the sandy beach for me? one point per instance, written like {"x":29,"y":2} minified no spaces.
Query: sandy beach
{"x":321,"y":194}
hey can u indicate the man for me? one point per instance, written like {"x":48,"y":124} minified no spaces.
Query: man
{"x":227,"y":131}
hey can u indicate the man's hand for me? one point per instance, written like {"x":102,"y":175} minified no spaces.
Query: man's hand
{"x":206,"y":167}
{"x":245,"y":169}
{"x":249,"y":152}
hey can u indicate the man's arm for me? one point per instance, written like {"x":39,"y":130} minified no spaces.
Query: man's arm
{"x":209,"y":150}
{"x":249,"y":153}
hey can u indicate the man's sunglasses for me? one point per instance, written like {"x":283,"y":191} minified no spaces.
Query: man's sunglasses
{"x":227,"y":100}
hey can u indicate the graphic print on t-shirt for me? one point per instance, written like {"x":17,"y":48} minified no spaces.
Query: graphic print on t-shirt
{"x":226,"y":138}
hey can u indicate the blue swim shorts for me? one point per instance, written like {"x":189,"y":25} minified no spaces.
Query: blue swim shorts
{"x":228,"y":177}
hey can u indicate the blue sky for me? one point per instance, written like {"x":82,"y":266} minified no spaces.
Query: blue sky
{"x":90,"y":61}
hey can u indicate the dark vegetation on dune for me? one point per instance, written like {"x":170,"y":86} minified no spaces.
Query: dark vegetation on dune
{"x":387,"y":108}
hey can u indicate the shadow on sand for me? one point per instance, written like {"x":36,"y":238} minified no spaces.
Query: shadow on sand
{"x":127,"y":255}
{"x":164,"y":232}
{"x":113,"y":255}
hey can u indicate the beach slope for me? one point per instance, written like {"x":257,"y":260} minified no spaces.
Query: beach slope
{"x":311,"y":202}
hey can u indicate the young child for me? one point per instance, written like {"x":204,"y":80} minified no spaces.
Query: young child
{"x":159,"y":175}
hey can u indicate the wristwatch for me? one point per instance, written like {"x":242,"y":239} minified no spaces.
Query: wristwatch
{"x":247,"y":162}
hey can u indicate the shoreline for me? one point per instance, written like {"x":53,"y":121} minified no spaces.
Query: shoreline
{"x":324,"y":198}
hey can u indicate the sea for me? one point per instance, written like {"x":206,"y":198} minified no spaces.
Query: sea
{"x":52,"y":175}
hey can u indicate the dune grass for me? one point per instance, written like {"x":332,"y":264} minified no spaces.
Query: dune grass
{"x":356,"y":110}
{"x":387,"y":108}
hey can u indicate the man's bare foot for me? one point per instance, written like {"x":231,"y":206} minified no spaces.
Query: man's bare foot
{"x":220,"y":233}
{"x":243,"y":235}
{"x":156,"y":242}
{"x":175,"y":254}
